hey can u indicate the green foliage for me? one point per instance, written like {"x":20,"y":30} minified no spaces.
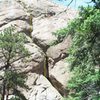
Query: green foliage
{"x":97,"y":3}
{"x":15,"y":98}
{"x":84,"y":55}
{"x":60,"y":34}
{"x":12,"y":44}
{"x":85,"y":85}
{"x":12,"y":49}
{"x":14,"y":79}
{"x":19,"y":95}
{"x":64,"y":32}
{"x":86,"y":40}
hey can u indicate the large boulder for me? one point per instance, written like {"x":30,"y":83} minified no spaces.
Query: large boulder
{"x":61,"y":50}
{"x":40,"y":7}
{"x":60,"y":75}
{"x":32,"y":63}
{"x":20,"y":25}
{"x":40,"y":88}
{"x":12,"y":13}
{"x":43,"y":27}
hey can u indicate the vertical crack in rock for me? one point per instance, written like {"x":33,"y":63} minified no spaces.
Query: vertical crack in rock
{"x":42,"y":36}
{"x":46,"y":67}
{"x":56,"y":84}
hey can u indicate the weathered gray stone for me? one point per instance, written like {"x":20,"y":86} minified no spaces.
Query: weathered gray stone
{"x":14,"y":14}
{"x":33,"y":63}
{"x":41,"y":89}
{"x":59,"y":51}
{"x":43,"y":28}
{"x":40,"y":7}
{"x":47,"y":18}
{"x":11,"y":11}
{"x":60,"y":75}
{"x":20,"y":25}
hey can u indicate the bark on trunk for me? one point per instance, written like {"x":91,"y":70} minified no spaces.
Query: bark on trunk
{"x":3,"y":93}
{"x":4,"y":84}
{"x":7,"y":93}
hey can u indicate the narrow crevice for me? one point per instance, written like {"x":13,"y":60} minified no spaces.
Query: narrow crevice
{"x":61,"y":56}
{"x":56,"y":84}
{"x":14,"y":19}
{"x":46,"y":67}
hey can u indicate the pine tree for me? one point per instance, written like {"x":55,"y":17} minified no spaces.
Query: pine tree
{"x":11,"y":49}
{"x":84,"y":53}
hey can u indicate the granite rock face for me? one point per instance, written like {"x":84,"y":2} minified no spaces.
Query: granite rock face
{"x":12,"y":13}
{"x":44,"y":26}
{"x":46,"y":67}
{"x":61,"y":50}
{"x":59,"y":75}
{"x":42,"y":89}
{"x":32,"y":63}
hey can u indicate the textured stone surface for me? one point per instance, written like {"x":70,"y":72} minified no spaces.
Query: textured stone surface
{"x":41,"y":89}
{"x":61,"y":72}
{"x":40,"y":7}
{"x":12,"y":13}
{"x":43,"y":27}
{"x":20,"y":25}
{"x":60,"y":75}
{"x":33,"y":63}
{"x":45,"y":18}
{"x":61,"y":50}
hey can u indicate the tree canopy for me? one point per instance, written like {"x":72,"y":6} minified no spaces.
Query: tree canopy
{"x":12,"y":49}
{"x":84,"y":53}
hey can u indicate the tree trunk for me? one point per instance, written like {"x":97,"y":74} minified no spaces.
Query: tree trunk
{"x":4,"y":84}
{"x":7,"y":93}
{"x":3,"y":93}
